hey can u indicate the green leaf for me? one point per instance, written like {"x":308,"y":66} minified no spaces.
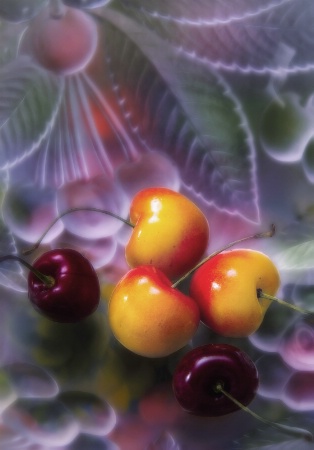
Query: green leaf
{"x":11,"y":273}
{"x":296,"y":257}
{"x":186,"y":111}
{"x":29,"y":100}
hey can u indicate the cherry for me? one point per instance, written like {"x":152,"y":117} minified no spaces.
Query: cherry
{"x":61,"y":41}
{"x":225,"y":288}
{"x":148,"y":316}
{"x":234,"y":290}
{"x":62,"y":285}
{"x":71,"y":290}
{"x":217,"y":379}
{"x":286,"y":128}
{"x":200,"y":372}
{"x":169,"y":231}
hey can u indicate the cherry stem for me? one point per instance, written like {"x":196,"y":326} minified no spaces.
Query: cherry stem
{"x":261,"y":294}
{"x":69,"y":211}
{"x":292,"y":431}
{"x":267,"y":234}
{"x":56,"y":9}
{"x":46,"y":279}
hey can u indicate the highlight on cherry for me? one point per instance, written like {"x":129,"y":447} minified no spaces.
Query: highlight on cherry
{"x":229,"y":290}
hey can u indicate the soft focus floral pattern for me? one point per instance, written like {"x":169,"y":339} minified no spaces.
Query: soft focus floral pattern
{"x":213,"y":99}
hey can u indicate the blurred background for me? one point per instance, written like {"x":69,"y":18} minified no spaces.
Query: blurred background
{"x":100,"y":99}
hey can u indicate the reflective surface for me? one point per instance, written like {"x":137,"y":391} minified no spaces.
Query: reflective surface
{"x":211,"y":98}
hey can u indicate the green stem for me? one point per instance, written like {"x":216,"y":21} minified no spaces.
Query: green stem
{"x":261,"y":294}
{"x":69,"y":211}
{"x":46,"y":279}
{"x":266,"y":234}
{"x":292,"y":431}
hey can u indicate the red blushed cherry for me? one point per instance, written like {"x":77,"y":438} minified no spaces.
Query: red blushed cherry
{"x":71,"y":291}
{"x":204,"y":370}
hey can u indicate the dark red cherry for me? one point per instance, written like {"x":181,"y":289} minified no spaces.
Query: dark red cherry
{"x":74,"y":291}
{"x":202,"y":370}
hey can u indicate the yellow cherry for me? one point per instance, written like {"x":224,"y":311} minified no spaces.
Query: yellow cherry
{"x":228,"y":289}
{"x":150,"y":317}
{"x":170,"y":232}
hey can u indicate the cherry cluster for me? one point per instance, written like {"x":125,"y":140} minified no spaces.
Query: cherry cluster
{"x":230,"y":291}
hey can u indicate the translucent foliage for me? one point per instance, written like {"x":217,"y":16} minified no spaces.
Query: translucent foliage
{"x":197,"y":121}
{"x":210,"y":98}
{"x":308,"y":160}
{"x":164,"y":442}
{"x":11,"y":272}
{"x":245,"y":37}
{"x":20,"y":10}
{"x":297,"y":257}
{"x":100,"y":193}
{"x":94,"y":414}
{"x":44,"y":422}
{"x":91,"y":443}
{"x":86,"y":3}
{"x":31,"y":381}
{"x":29,"y":99}
{"x":28,"y":211}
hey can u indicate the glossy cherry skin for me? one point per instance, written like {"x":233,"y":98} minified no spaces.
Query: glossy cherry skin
{"x":226,"y":290}
{"x":76,"y":290}
{"x":170,"y":232}
{"x":150,"y":317}
{"x":200,"y":370}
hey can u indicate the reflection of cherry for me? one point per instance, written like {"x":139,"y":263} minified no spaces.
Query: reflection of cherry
{"x":297,"y":346}
{"x":63,"y":43}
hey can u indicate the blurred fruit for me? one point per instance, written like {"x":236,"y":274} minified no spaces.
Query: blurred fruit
{"x":285,"y":129}
{"x":64,"y":44}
